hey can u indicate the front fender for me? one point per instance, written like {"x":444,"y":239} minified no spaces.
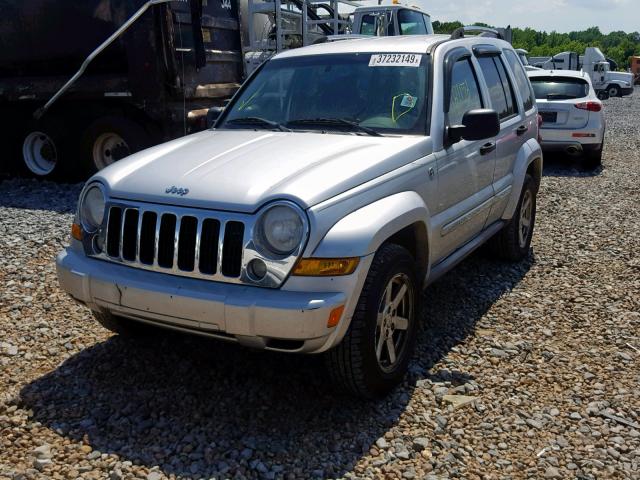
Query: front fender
{"x":529,"y":152}
{"x":362,"y":232}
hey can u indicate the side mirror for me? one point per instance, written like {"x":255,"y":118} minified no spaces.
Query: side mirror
{"x":477,"y":124}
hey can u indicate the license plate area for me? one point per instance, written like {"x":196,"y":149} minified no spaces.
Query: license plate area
{"x":549,"y":117}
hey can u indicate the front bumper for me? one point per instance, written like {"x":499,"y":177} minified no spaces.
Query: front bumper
{"x":274,"y":319}
{"x":627,"y":91}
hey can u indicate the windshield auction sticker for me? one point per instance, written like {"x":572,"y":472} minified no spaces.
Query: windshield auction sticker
{"x":395,"y":60}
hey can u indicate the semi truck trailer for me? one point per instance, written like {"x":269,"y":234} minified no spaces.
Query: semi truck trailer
{"x":155,"y":82}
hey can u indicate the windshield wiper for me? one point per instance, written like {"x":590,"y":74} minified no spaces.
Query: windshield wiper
{"x":258,"y":121}
{"x":335,"y":122}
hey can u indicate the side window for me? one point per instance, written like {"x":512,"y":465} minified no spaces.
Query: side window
{"x":499,"y":100}
{"x":510,"y":94}
{"x":465,"y":93}
{"x":521,"y":79}
{"x":411,"y":23}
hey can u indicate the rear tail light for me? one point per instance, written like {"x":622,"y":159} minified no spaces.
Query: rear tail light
{"x":590,"y":106}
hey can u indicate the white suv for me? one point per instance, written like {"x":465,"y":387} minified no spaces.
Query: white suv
{"x":341,"y":180}
{"x":572,"y":117}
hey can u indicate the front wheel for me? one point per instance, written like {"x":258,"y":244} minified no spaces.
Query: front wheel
{"x":614,"y":91}
{"x":512,"y":243}
{"x":375,"y":352}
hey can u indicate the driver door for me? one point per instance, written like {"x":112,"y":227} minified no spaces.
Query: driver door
{"x":465,"y":168}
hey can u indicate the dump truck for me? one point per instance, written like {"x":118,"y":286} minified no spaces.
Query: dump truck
{"x":84,"y":84}
{"x":154,"y":82}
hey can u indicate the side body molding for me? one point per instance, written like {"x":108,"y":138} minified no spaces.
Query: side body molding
{"x":363,"y":231}
{"x":528,"y":153}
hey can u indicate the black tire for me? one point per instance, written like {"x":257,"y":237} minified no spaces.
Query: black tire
{"x":507,"y":244}
{"x":124,"y":326}
{"x":593,"y":158}
{"x":614,"y":91}
{"x":125,"y":137}
{"x":353,"y":364}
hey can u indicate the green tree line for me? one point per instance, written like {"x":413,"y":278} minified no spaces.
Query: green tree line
{"x":618,"y":46}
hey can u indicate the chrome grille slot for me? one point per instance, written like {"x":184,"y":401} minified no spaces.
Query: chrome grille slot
{"x":113,"y":232}
{"x":130,"y":234}
{"x":232,"y":249}
{"x":187,"y":243}
{"x":208,"y":258}
{"x":148,"y":237}
{"x":166,"y":240}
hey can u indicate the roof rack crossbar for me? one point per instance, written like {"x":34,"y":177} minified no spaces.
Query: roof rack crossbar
{"x":484,"y":31}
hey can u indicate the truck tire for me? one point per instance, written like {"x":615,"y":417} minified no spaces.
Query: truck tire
{"x":375,"y":352}
{"x":614,"y":91}
{"x":110,"y":139}
{"x":124,"y":326}
{"x":44,"y":149}
{"x":512,"y":243}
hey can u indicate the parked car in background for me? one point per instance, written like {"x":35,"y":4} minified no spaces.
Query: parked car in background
{"x":342,"y":179}
{"x":572,"y":117}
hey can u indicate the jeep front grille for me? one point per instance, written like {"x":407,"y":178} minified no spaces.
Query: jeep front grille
{"x":185,"y":242}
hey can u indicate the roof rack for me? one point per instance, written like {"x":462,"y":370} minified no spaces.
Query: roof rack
{"x":500,"y":33}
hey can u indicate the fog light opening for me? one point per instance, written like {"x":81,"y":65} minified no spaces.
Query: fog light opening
{"x":257,"y":269}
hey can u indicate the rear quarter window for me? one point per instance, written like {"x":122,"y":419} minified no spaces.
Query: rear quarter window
{"x":524,"y":87}
{"x":559,"y":88}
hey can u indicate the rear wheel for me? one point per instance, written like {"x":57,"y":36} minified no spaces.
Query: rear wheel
{"x":110,"y":139}
{"x":593,"y":158}
{"x":513,"y":242}
{"x":375,"y":352}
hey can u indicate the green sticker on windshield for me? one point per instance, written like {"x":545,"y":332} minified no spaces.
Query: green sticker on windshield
{"x":408,"y":101}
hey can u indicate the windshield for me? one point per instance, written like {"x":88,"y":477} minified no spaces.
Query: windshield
{"x":559,"y":88}
{"x":379,"y":24}
{"x":357,"y":93}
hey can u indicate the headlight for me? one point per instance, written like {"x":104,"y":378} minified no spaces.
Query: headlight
{"x":280,"y":229}
{"x":92,"y":208}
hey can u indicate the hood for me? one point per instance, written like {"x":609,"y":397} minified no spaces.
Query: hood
{"x":240,"y":170}
{"x":625,"y":77}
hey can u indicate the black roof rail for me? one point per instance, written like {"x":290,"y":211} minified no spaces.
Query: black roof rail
{"x":501,"y":33}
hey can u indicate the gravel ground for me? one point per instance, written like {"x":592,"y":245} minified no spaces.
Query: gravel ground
{"x":526,"y":371}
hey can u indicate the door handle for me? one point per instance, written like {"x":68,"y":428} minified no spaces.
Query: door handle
{"x":487,"y":148}
{"x":522,"y":129}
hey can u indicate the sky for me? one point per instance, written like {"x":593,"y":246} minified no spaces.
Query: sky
{"x":547,"y":15}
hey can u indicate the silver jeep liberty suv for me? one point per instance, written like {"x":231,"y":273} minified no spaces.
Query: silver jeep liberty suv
{"x":341,"y":180}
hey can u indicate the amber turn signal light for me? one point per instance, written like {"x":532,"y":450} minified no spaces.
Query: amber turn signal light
{"x":76,"y":231}
{"x":325,"y":267}
{"x":334,"y":316}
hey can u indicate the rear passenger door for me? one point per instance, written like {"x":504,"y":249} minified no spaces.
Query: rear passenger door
{"x":502,"y":97}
